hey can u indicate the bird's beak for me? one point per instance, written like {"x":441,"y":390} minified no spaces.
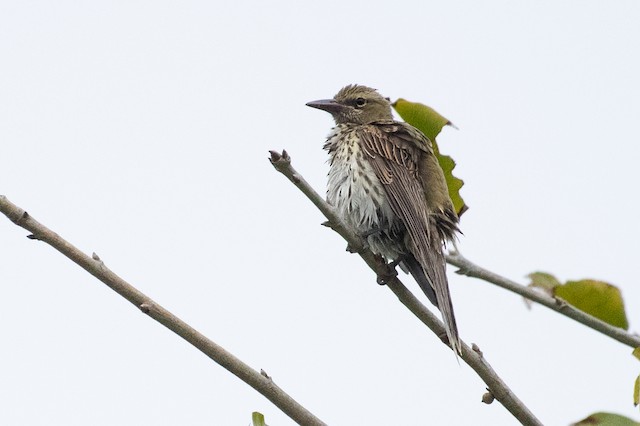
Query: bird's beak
{"x":328,"y":105}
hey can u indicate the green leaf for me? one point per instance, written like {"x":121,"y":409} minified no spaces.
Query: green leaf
{"x":636,"y":353}
{"x":636,"y":392}
{"x":430,"y":122}
{"x":543,"y":280}
{"x":425,"y":118}
{"x":606,"y":419}
{"x":597,"y":298}
{"x":258,"y":419}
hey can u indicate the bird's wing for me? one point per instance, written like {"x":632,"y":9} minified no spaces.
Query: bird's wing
{"x":396,"y":158}
{"x":441,"y":211}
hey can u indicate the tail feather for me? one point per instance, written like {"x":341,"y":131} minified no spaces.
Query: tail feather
{"x":427,"y":249}
{"x":435,"y":286}
{"x":411,"y":265}
{"x":434,"y":265}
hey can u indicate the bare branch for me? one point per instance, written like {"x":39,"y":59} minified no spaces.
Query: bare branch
{"x":470,"y":269}
{"x":260,"y":382}
{"x":387,"y":274}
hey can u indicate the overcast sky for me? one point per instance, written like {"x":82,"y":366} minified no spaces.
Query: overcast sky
{"x":140,"y":130}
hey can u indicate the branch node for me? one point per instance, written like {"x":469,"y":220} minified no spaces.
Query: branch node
{"x":476,"y":349}
{"x":264,"y":374}
{"x":280,"y":160}
{"x":463,"y":271}
{"x":20,"y":216}
{"x":95,"y":257}
{"x":488,"y":397}
{"x":145,"y":308}
{"x":561,"y":303}
{"x":352,"y":249}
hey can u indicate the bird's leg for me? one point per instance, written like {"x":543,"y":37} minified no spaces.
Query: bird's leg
{"x":390,"y":274}
{"x":370,"y":232}
{"x":365,"y":235}
{"x":391,"y":267}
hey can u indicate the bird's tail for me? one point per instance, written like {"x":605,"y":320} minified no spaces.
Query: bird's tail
{"x":432,"y":279}
{"x":411,"y":265}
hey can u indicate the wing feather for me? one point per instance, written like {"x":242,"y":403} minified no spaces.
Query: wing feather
{"x":396,"y":160}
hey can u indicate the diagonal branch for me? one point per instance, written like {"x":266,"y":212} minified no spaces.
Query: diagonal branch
{"x":470,"y":269}
{"x":259,"y":381}
{"x":472,"y":356}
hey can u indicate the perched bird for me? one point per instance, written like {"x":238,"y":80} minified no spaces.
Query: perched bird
{"x":385,"y":182}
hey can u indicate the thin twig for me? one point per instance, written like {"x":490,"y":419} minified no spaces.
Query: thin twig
{"x":473,"y":357}
{"x":470,"y":269}
{"x":260,"y":382}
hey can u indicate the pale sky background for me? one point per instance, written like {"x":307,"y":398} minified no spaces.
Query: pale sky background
{"x":140,"y":130}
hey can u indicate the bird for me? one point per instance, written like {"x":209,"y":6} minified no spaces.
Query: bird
{"x":385,"y":183}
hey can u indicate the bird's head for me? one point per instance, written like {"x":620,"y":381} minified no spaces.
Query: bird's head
{"x":356,"y":104}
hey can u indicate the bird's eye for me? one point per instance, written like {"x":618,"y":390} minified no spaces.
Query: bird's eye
{"x":360,"y":102}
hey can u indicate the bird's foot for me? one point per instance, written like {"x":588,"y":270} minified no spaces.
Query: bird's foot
{"x":389,"y":275}
{"x":364,"y":237}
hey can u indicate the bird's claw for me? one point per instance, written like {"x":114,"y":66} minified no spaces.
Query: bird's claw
{"x":389,"y":275}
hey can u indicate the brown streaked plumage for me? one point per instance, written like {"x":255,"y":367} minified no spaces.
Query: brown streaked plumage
{"x":386,"y":183}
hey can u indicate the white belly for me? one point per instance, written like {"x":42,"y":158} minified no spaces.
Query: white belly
{"x":358,"y":196}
